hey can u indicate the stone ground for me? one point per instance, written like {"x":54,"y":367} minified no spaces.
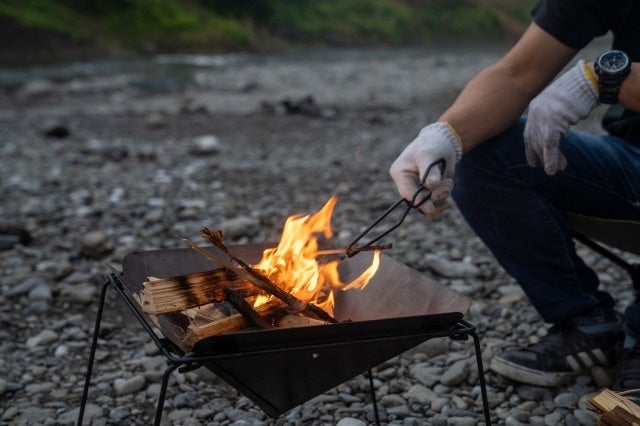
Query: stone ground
{"x":157,"y":149}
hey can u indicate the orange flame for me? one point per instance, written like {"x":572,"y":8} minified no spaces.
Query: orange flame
{"x":294,"y":267}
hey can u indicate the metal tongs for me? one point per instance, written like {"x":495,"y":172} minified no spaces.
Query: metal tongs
{"x":351,"y":250}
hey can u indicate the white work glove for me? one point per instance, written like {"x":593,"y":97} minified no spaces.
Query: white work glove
{"x":564,"y":102}
{"x":434,"y":142}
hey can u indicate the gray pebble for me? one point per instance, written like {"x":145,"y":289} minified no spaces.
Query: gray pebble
{"x":96,"y":244}
{"x":585,"y":417}
{"x":455,"y":374}
{"x":26,"y":286}
{"x":205,"y":145}
{"x":348,"y":421}
{"x":566,"y":399}
{"x":130,"y":385}
{"x":462,"y":421}
{"x":451,"y":269}
{"x":43,"y":338}
{"x":553,"y":419}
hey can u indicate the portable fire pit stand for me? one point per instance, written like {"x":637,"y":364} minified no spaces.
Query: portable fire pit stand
{"x":279,"y":369}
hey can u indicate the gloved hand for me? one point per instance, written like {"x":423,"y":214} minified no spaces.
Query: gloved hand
{"x":434,"y":142}
{"x":564,"y":102}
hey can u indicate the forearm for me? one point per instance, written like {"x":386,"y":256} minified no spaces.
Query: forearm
{"x":488,"y":105}
{"x":496,"y":97}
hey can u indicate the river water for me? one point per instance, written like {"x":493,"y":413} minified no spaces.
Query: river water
{"x":244,"y":82}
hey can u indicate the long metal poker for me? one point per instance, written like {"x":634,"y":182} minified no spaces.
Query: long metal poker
{"x":352,"y":251}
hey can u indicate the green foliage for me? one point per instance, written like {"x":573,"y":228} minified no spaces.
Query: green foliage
{"x":215,"y":25}
{"x":463,"y":17}
{"x":334,"y":20}
{"x":44,"y":14}
{"x":101,"y":6}
{"x":220,"y":33}
{"x":149,"y":18}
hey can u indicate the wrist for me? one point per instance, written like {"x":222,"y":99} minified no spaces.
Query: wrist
{"x":589,"y":82}
{"x":590,"y":72}
{"x":446,"y":131}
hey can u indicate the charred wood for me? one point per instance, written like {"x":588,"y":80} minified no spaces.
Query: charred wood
{"x":174,"y":294}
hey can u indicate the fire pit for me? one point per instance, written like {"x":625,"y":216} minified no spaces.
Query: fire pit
{"x":356,"y":312}
{"x":278,"y":369}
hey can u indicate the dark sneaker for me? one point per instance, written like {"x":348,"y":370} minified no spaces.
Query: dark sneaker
{"x":562,"y":353}
{"x":628,"y":369}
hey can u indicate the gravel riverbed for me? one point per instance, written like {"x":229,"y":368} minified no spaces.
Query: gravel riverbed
{"x":140,"y":157}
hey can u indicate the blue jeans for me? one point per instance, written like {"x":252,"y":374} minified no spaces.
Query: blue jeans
{"x":516,"y":210}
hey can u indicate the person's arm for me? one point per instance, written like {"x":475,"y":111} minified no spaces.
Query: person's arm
{"x":497,"y":96}
{"x":488,"y":105}
{"x":629,"y":96}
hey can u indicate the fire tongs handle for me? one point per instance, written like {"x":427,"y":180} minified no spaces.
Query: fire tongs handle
{"x":352,"y":250}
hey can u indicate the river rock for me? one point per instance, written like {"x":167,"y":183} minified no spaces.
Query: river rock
{"x":130,"y":385}
{"x":43,"y":338}
{"x":91,"y":412}
{"x":205,"y":145}
{"x":428,"y":376}
{"x":96,"y":244}
{"x":240,"y":226}
{"x":83,"y":293}
{"x":456,"y":373}
{"x":41,"y":292}
{"x":26,"y":286}
{"x":451,"y":269}
{"x":566,"y":399}
{"x":348,"y":421}
{"x":585,"y":417}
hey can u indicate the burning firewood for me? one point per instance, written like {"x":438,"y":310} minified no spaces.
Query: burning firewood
{"x":244,"y":271}
{"x":250,"y":315}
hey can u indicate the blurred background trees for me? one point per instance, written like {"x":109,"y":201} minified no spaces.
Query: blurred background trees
{"x":231,"y":25}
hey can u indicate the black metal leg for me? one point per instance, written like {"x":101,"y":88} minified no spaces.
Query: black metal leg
{"x":373,"y":398}
{"x":632,"y":270}
{"x":163,"y":393}
{"x":92,"y":353}
{"x":483,"y":385}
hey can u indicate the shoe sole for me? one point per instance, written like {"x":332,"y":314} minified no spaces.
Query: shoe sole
{"x":526,"y":375}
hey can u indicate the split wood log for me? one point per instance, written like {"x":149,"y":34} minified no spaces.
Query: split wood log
{"x":617,"y":417}
{"x":616,"y":409}
{"x":174,"y":294}
{"x":201,"y":328}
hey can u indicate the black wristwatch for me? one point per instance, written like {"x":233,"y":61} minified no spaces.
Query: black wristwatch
{"x":611,"y":67}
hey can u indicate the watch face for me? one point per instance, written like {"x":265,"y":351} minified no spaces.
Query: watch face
{"x":613,"y":61}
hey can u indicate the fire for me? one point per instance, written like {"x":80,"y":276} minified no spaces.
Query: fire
{"x":294,"y":267}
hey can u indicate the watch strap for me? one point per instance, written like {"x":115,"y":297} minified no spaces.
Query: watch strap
{"x":609,"y":91}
